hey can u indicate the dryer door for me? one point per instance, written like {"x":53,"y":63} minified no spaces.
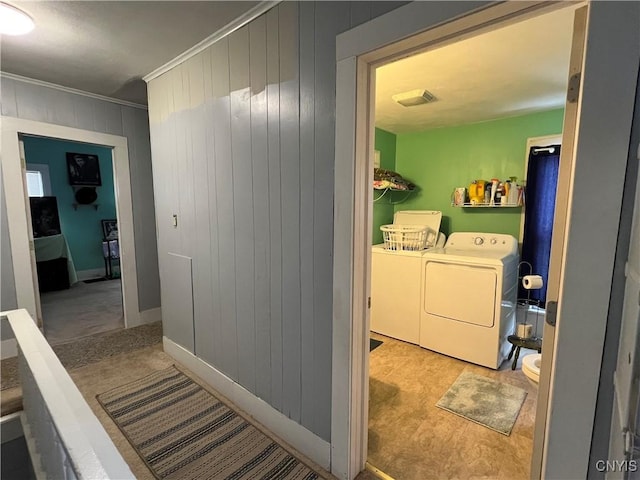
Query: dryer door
{"x":464,"y":293}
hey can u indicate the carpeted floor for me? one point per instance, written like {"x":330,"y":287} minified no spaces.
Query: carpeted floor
{"x":113,"y":372}
{"x":82,"y":310}
{"x":182,"y":431}
{"x":120,"y":365}
{"x":77,"y":353}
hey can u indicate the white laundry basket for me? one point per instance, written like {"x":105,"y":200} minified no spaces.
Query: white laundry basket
{"x":405,"y":237}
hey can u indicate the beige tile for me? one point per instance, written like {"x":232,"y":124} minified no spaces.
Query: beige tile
{"x":412,"y":439}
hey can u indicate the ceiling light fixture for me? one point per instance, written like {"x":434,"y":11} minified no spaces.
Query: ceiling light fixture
{"x":14,"y":21}
{"x":414,"y":97}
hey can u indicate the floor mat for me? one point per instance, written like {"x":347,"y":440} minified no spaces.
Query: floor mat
{"x":182,"y":431}
{"x":485,"y":401}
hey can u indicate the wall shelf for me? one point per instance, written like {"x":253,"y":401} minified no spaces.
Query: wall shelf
{"x":388,"y":194}
{"x":485,"y":205}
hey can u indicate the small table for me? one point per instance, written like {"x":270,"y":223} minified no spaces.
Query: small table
{"x":534,"y":343}
{"x":52,"y":254}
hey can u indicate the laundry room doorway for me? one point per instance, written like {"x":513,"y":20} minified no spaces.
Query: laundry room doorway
{"x":446,"y":120}
{"x":360,"y":53}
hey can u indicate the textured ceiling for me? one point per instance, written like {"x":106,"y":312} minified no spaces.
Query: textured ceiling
{"x":107,"y":47}
{"x":511,"y":71}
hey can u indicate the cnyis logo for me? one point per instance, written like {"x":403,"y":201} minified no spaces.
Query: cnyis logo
{"x":617,"y":465}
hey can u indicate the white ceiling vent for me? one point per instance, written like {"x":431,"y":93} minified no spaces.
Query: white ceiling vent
{"x":414,"y":97}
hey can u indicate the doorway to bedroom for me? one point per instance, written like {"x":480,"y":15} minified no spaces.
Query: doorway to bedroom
{"x":74,"y":224}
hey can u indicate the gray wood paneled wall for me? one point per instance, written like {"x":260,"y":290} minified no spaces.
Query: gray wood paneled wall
{"x":242,"y":139}
{"x":43,"y":104}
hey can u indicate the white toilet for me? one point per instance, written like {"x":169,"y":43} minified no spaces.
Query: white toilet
{"x":531,"y":367}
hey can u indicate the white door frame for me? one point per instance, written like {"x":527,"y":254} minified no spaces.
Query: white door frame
{"x":604,"y":127}
{"x":17,"y":219}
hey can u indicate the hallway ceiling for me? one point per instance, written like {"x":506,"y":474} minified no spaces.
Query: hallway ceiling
{"x":518,"y":69}
{"x":106,"y":47}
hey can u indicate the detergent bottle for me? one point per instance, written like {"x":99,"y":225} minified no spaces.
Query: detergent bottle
{"x":476,"y":192}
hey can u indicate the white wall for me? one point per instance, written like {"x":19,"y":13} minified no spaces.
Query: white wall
{"x":242,"y":139}
{"x":605,"y":406}
{"x":34,"y":102}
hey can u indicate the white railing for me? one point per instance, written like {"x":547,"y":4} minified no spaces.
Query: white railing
{"x":65,"y":438}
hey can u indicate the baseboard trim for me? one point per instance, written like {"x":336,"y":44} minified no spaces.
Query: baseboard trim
{"x":89,"y":274}
{"x":151,"y":315}
{"x":9,"y":348}
{"x":308,"y":443}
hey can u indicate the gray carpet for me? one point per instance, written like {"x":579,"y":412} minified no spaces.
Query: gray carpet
{"x":82,"y":310}
{"x":91,"y":349}
{"x":484,"y":401}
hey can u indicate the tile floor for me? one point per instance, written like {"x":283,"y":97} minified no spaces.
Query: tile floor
{"x":411,"y":439}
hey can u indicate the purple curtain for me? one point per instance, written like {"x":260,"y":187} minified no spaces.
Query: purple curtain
{"x":540,"y":202}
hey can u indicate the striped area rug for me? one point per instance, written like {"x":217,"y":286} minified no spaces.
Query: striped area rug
{"x":183,"y":432}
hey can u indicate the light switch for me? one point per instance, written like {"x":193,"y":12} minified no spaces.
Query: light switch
{"x":175,"y":220}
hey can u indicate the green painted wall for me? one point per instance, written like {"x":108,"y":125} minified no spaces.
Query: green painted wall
{"x":81,"y":228}
{"x":385,"y":142}
{"x":441,"y":159}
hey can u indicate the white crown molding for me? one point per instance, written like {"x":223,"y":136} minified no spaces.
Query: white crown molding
{"x":228,"y":29}
{"x":41,"y":83}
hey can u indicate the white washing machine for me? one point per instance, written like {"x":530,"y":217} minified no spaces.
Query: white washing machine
{"x":469,"y":297}
{"x":396,"y":277}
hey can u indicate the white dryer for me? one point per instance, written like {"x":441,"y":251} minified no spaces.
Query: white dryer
{"x":396,"y":277}
{"x":469,"y":297}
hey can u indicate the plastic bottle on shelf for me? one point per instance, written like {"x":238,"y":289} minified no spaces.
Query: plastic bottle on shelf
{"x":499,"y":193}
{"x":513,"y":194}
{"x":494,"y":189}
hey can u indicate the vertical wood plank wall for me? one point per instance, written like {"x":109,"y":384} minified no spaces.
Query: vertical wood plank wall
{"x":43,"y":104}
{"x":242,"y":139}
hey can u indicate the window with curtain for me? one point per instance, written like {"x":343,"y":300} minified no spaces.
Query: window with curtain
{"x":542,"y":181}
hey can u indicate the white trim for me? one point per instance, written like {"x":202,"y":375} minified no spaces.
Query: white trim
{"x":30,"y":440}
{"x":65,"y":427}
{"x":19,"y":230}
{"x":11,"y":427}
{"x":228,"y":29}
{"x":55,"y":86}
{"x":151,"y":315}
{"x":308,"y":443}
{"x":541,"y":142}
{"x":90,"y":274}
{"x":9,"y":348}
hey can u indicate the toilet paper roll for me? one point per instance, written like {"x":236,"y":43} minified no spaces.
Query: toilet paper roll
{"x":532,"y":282}
{"x":524,"y":330}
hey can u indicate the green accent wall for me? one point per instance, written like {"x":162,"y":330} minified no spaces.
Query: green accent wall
{"x":385,"y":143}
{"x":82,"y":227}
{"x":441,"y":159}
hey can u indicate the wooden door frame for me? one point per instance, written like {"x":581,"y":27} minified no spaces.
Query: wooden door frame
{"x":15,"y":196}
{"x":409,"y":29}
